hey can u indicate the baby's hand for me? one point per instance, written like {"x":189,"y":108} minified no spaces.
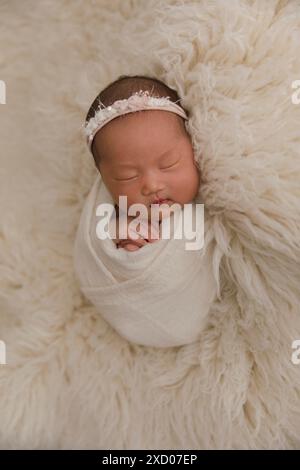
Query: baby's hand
{"x":130,"y":245}
{"x":144,"y":235}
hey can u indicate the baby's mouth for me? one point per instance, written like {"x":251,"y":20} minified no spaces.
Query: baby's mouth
{"x":161,"y":201}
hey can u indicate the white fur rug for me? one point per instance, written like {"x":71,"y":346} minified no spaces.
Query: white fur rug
{"x":70,"y":381}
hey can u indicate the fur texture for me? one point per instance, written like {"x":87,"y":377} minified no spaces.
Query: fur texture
{"x":70,"y":381}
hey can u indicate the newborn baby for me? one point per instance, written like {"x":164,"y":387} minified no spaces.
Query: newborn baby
{"x":148,"y":157}
{"x":160,"y":295}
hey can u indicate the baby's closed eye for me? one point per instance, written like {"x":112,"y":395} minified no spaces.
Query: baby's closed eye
{"x":131,"y":178}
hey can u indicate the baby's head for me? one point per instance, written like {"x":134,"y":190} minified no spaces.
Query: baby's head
{"x":144,"y":155}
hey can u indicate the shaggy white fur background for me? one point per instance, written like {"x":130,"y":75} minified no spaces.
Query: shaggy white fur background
{"x":70,"y":381}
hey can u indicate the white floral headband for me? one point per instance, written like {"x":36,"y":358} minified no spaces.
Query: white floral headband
{"x":140,"y":100}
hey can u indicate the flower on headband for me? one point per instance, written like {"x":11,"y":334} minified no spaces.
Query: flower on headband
{"x":137,"y":101}
{"x":120,"y":105}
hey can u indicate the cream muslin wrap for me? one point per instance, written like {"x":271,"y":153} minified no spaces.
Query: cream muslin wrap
{"x":157,"y":296}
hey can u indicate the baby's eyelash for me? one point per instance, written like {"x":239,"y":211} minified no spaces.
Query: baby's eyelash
{"x":127,"y":179}
{"x":166,"y":167}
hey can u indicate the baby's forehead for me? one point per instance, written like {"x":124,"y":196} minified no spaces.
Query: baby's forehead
{"x":142,"y":129}
{"x":163,"y":125}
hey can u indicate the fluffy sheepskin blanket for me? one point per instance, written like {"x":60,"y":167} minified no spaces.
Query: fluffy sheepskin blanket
{"x":70,"y":381}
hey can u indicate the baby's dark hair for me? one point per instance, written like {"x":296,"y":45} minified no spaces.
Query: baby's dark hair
{"x":123,"y":88}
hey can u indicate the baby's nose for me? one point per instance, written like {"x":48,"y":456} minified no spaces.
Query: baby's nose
{"x":151,"y":185}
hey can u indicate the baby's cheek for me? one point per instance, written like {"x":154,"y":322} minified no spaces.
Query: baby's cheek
{"x":193,"y":182}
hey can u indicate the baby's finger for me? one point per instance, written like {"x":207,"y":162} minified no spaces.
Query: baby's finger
{"x":148,"y":231}
{"x":140,"y":234}
{"x":140,"y":242}
{"x":153,"y":240}
{"x":153,"y":233}
{"x":130,"y":247}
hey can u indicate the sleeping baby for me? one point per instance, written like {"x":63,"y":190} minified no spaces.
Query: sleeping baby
{"x":153,"y":290}
{"x":145,"y":154}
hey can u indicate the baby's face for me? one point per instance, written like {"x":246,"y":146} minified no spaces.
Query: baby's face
{"x":147,"y":155}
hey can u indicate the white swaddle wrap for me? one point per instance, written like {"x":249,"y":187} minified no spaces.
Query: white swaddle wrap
{"x":158,"y":295}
